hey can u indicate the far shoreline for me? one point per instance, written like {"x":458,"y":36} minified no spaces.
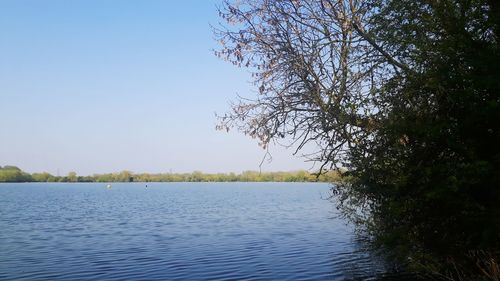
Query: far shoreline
{"x":13,"y":174}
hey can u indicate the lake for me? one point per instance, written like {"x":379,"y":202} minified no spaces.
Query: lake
{"x":177,"y":231}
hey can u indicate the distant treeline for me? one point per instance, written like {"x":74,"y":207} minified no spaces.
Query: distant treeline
{"x":14,"y":174}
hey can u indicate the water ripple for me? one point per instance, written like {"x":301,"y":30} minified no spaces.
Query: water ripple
{"x":230,"y":231}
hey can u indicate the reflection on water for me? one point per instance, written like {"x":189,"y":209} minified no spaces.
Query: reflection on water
{"x":176,"y":231}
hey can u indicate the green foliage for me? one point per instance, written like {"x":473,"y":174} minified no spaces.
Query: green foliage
{"x":14,"y":174}
{"x":72,"y":177}
{"x":431,"y":179}
{"x":404,"y":94}
{"x":42,"y":177}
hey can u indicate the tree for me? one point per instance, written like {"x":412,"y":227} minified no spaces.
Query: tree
{"x":403,"y":94}
{"x":124,"y":176}
{"x":13,"y":174}
{"x":433,"y":174}
{"x":41,"y":177}
{"x":314,"y":73}
{"x":72,"y":177}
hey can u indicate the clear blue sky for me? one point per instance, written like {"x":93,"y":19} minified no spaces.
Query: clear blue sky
{"x":102,"y":86}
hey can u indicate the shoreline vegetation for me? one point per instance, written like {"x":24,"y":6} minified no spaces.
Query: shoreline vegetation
{"x":403,"y":93}
{"x":13,"y":174}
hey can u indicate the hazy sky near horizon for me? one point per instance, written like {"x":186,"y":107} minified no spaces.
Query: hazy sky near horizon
{"x":98,"y":86}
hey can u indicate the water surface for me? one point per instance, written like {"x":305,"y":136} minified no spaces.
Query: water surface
{"x":177,"y":231}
